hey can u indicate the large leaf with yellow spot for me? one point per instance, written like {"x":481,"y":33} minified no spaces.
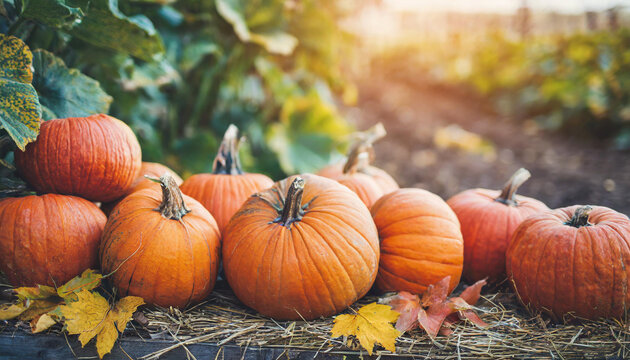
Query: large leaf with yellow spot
{"x":371,"y":325}
{"x":20,"y":111}
{"x":92,"y":316}
{"x":66,"y":92}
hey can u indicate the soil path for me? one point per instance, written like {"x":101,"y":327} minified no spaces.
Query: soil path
{"x":565,"y":171}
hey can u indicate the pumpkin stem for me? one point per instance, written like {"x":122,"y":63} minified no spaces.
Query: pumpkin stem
{"x":293,"y":209}
{"x":172,"y":206}
{"x":362,"y":144}
{"x":508,"y":195}
{"x":580,"y":217}
{"x":227,"y":160}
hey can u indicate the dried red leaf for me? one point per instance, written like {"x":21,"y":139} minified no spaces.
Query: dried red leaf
{"x":431,"y":319}
{"x":472,"y":293}
{"x":407,"y":305}
{"x":436,"y":293}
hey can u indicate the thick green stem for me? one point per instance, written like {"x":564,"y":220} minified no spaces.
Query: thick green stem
{"x":292,"y":210}
{"x":172,"y":206}
{"x":580,"y":217}
{"x":227,"y":160}
{"x":508,"y":194}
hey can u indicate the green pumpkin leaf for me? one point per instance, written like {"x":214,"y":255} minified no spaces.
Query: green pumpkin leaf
{"x":54,"y":13}
{"x":66,"y":92}
{"x":20,"y":111}
{"x":258,"y":23}
{"x":307,"y":135}
{"x":105,"y":26}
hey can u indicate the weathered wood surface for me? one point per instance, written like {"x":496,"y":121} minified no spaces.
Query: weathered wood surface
{"x":22,"y":346}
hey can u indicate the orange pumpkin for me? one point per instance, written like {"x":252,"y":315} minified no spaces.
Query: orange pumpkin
{"x":572,"y":260}
{"x":488,"y":219}
{"x":141,"y":182}
{"x":48,"y":239}
{"x":303,"y":249}
{"x":224,"y":190}
{"x":161,"y":246}
{"x":95,"y":157}
{"x":420,"y":241}
{"x":372,"y":182}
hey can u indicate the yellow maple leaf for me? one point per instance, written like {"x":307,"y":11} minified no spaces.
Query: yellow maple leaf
{"x":92,"y":316}
{"x":41,"y":323}
{"x":372,"y":324}
{"x":10,"y":311}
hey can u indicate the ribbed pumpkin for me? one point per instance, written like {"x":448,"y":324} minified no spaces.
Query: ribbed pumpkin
{"x":488,"y":219}
{"x":163,"y":247}
{"x":48,"y":239}
{"x":357,"y":173}
{"x":572,"y":260}
{"x":141,"y":182}
{"x":224,"y":190}
{"x":303,"y":249}
{"x":420,"y":241}
{"x":95,"y":157}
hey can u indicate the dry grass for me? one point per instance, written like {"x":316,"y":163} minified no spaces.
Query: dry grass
{"x":513,"y":332}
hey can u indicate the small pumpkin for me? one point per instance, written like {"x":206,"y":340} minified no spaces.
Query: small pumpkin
{"x":303,"y":249}
{"x":572,"y":260}
{"x":48,"y":239}
{"x":141,"y":182}
{"x":95,"y":157}
{"x":162,"y":246}
{"x":488,"y":219}
{"x":360,"y":155}
{"x":421,"y":242}
{"x":224,"y":190}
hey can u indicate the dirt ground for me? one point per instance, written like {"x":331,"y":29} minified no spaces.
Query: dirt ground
{"x":565,"y":171}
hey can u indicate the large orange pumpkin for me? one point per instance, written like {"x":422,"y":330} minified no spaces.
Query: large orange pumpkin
{"x":303,"y":249}
{"x":488,"y":219}
{"x":48,"y":239}
{"x":95,"y":157}
{"x":572,"y":260}
{"x":420,"y":241}
{"x":161,"y":246}
{"x":141,"y":182}
{"x":224,"y":190}
{"x":357,"y":173}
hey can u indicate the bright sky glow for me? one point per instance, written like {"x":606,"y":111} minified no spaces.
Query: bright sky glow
{"x":505,"y":6}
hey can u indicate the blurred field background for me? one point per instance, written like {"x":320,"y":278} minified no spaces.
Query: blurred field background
{"x":468,"y":91}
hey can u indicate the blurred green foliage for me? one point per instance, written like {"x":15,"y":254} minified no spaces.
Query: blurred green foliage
{"x":577,"y":83}
{"x":180,"y":72}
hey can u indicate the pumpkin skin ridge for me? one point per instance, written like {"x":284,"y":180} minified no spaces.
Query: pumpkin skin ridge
{"x":303,"y":247}
{"x":600,"y":291}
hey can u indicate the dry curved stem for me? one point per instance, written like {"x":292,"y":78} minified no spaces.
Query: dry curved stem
{"x":227,"y":160}
{"x":362,"y":143}
{"x":508,"y":194}
{"x":292,"y":210}
{"x":580,"y":217}
{"x":172,"y":206}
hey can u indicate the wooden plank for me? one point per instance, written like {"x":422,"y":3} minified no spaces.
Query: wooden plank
{"x":21,"y":346}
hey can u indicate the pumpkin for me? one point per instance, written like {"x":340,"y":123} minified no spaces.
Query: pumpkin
{"x":360,"y":155}
{"x":48,"y":239}
{"x":162,"y":246}
{"x":303,"y":249}
{"x":420,"y":241}
{"x":572,"y":260}
{"x":141,"y":182}
{"x":224,"y":190}
{"x":95,"y":157}
{"x":488,"y":219}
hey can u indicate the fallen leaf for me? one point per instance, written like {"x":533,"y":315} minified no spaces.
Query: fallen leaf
{"x":371,"y":325}
{"x":11,"y":311}
{"x":35,"y":308}
{"x":35,"y":293}
{"x":88,"y":280}
{"x":472,"y":293}
{"x":41,"y":323}
{"x":92,"y":316}
{"x":436,"y":293}
{"x":407,"y":305}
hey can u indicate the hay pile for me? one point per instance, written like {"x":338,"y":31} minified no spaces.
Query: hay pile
{"x":512,"y":332}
